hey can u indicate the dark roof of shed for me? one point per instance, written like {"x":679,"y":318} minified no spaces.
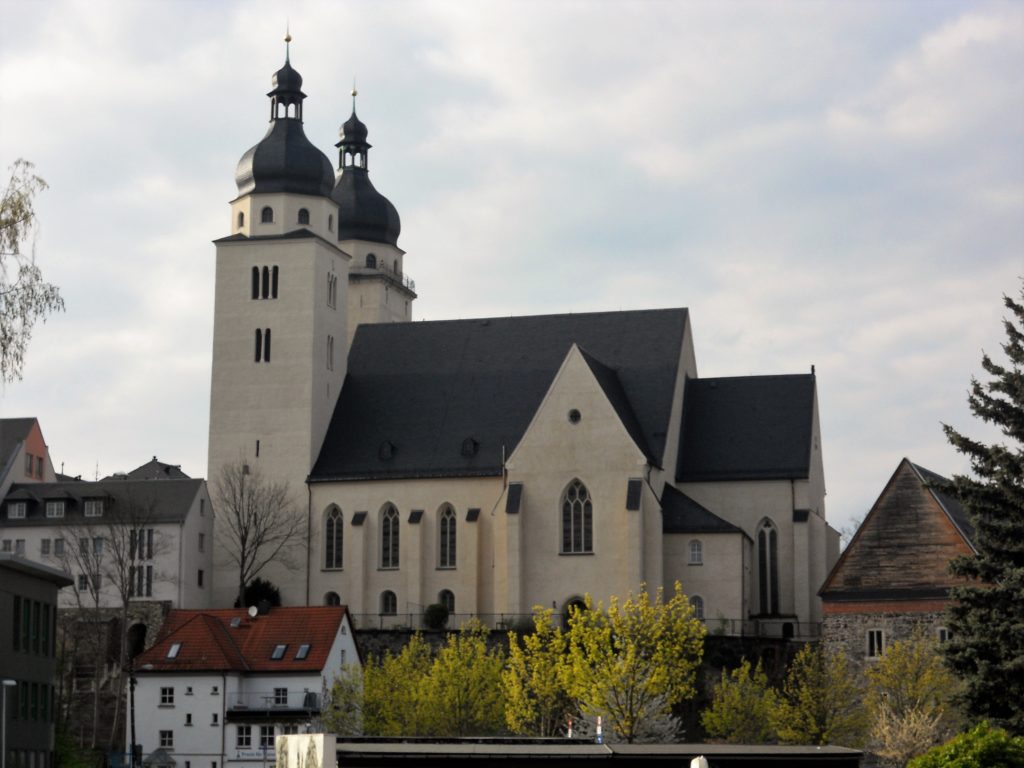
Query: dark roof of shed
{"x":168,"y":500}
{"x":934,"y":483}
{"x":746,"y":428}
{"x":681,"y":514}
{"x":426,"y":387}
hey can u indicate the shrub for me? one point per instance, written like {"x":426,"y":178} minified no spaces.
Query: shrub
{"x":980,"y":747}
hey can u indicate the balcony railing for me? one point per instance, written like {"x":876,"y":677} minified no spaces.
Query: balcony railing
{"x":774,"y":627}
{"x":274,"y":700}
{"x":401,"y":278}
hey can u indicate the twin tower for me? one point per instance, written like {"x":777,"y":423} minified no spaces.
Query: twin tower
{"x":312,"y":254}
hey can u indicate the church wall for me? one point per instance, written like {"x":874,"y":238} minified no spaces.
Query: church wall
{"x":418,"y":579}
{"x":715,"y":580}
{"x":323,"y":215}
{"x":272,"y":415}
{"x":376,"y":294}
{"x":552,"y":453}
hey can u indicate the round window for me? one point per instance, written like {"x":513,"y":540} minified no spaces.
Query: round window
{"x":574,"y":416}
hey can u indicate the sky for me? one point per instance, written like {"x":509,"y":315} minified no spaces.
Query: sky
{"x":836,"y":184}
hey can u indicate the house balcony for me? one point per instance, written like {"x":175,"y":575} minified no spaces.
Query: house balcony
{"x":251,"y":706}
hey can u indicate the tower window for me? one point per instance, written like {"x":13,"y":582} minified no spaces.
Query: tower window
{"x":330,"y":222}
{"x":330,"y":353}
{"x":371,"y":261}
{"x":273,"y":283}
{"x":267,"y":215}
{"x":241,"y":219}
{"x":259,"y":344}
{"x":255,"y":282}
{"x":262,"y":345}
{"x":303,"y":216}
{"x":265,"y":293}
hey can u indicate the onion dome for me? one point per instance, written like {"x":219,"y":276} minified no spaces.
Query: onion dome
{"x":363,"y":212}
{"x":285,"y":160}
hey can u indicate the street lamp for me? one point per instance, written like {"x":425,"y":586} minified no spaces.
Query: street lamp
{"x":3,"y":719}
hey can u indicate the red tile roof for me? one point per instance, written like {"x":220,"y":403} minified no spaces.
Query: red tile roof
{"x":209,"y":643}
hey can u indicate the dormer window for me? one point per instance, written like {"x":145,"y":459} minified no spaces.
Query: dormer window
{"x":172,"y":652}
{"x":55,"y":509}
{"x":94,"y":508}
{"x":303,"y":216}
{"x":16,"y":510}
{"x":278,"y":652}
{"x":267,"y":215}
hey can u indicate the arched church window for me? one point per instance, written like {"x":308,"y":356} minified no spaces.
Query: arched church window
{"x":388,"y":603}
{"x":303,"y":216}
{"x":273,"y":282}
{"x":577,"y":519}
{"x":259,"y":344}
{"x":768,"y":567}
{"x":265,"y":293}
{"x":266,"y":345}
{"x":696,"y":552}
{"x":447,"y":598}
{"x":241,"y":219}
{"x":267,"y":215}
{"x":697,"y":602}
{"x":255,"y":282}
{"x":332,"y":598}
{"x":446,"y":529}
{"x":371,"y":261}
{"x":333,"y":538}
{"x":389,"y":537}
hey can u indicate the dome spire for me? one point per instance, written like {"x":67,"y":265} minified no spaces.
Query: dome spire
{"x":354,"y":94}
{"x":287,"y":42}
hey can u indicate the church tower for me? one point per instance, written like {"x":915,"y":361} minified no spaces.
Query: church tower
{"x":280,"y":340}
{"x":368,"y":229}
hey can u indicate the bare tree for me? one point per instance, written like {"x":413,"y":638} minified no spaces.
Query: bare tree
{"x":258,"y":522}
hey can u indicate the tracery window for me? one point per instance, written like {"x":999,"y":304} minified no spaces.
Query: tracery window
{"x":333,"y":538}
{"x":577,"y":519}
{"x":768,"y":567}
{"x":389,"y":537}
{"x":446,"y":528}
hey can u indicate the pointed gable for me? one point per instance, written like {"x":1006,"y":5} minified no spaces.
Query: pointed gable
{"x":424,"y":389}
{"x":903,"y":547}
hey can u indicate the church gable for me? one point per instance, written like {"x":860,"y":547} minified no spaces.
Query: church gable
{"x":903,"y":547}
{"x":454,"y":398}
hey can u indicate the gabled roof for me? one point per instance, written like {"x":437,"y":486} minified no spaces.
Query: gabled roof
{"x":158,"y":501}
{"x":612,"y":388}
{"x":902,"y":548}
{"x":229,"y":640}
{"x":13,"y":432}
{"x":959,"y":516}
{"x":36,"y":570}
{"x":746,"y":428}
{"x":681,"y":514}
{"x":424,"y":388}
{"x":154,"y":469}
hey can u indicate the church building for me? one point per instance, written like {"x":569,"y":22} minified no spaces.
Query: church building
{"x":493,"y":464}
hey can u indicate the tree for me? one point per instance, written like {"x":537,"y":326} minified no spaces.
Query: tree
{"x":821,"y":701}
{"x":258,"y":591}
{"x":981,"y":747}
{"x":742,"y":706}
{"x":342,"y":714}
{"x":536,"y":700}
{"x":987,"y":617}
{"x":24,"y":296}
{"x":632,"y":663}
{"x":258,"y":522}
{"x":909,"y":699}
{"x":393,"y":700}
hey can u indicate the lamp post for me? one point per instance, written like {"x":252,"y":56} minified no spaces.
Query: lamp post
{"x":3,"y":719}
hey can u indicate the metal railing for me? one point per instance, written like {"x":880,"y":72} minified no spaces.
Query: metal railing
{"x":401,"y":278}
{"x":283,"y":700}
{"x":783,"y":628}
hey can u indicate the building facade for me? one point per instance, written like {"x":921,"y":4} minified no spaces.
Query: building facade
{"x":217,"y":686}
{"x":495,"y":464}
{"x":892,"y":581}
{"x":28,"y":659}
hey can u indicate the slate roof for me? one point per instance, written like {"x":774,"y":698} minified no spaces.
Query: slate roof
{"x":746,"y":428}
{"x":612,"y":387}
{"x":961,"y":517}
{"x":34,"y":569}
{"x":155,"y":470}
{"x":681,"y":514}
{"x":169,"y":500}
{"x":13,"y":432}
{"x":425,"y":387}
{"x":209,"y":642}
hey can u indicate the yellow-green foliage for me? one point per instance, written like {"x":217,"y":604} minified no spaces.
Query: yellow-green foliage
{"x":393,"y":702}
{"x":536,"y":702}
{"x":821,"y":701}
{"x":462,"y":692}
{"x":634,"y":661}
{"x":742,"y":707}
{"x":343,"y":713}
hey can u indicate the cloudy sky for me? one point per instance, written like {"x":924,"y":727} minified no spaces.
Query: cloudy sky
{"x":829,"y":183}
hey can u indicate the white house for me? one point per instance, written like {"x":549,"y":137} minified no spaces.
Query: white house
{"x":491,"y":464}
{"x":218,"y":686}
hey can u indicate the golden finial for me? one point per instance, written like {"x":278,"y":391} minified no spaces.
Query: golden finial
{"x":354,"y":93}
{"x":287,"y":42}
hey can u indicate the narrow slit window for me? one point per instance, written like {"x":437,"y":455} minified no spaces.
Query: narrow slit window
{"x":273,"y":283}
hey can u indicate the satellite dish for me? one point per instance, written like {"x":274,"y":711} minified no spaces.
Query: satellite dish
{"x":253,"y":610}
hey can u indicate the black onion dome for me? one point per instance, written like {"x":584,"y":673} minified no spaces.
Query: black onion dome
{"x":285,"y":161}
{"x":286,"y":80}
{"x":353,"y":131}
{"x":363,"y":212}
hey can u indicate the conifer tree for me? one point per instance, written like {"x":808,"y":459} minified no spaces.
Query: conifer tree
{"x":987,"y":616}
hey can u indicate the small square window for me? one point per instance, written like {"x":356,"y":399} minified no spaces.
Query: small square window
{"x":188,"y":690}
{"x":243,"y":739}
{"x":214,"y":691}
{"x":16,"y":510}
{"x":94,"y":508}
{"x":166,"y":697}
{"x":875,"y":643}
{"x":267,"y":736}
{"x":943,"y":635}
{"x":188,"y":719}
{"x":280,"y":697}
{"x":83,"y":582}
{"x":278,"y":652}
{"x":214,"y":719}
{"x":172,"y":652}
{"x":303,"y":651}
{"x":167,"y":739}
{"x":55,"y":509}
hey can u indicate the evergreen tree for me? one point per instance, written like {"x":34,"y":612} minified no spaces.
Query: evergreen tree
{"x":987,"y":617}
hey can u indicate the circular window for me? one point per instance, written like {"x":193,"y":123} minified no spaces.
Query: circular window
{"x":574,"y":416}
